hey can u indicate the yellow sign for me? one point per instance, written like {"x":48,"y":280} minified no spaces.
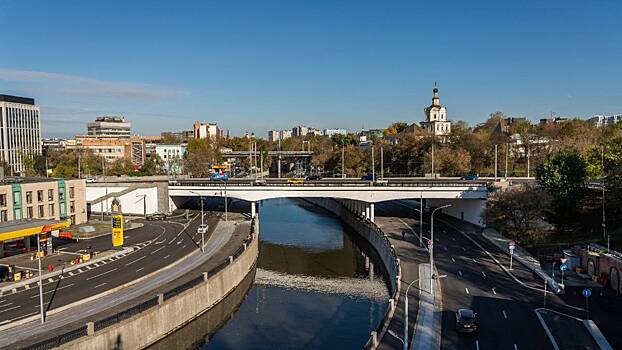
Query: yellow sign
{"x":117,"y":231}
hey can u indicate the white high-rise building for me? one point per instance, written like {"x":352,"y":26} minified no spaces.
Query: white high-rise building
{"x":436,"y":117}
{"x":109,"y":126}
{"x":205,"y":130}
{"x":20,"y":130}
{"x":604,"y":120}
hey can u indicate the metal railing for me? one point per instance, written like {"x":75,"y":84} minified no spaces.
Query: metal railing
{"x":360,"y":183}
{"x":106,"y":322}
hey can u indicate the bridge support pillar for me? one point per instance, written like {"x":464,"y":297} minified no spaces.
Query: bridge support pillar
{"x":372,"y":212}
{"x":367,"y":211}
{"x":253,"y":209}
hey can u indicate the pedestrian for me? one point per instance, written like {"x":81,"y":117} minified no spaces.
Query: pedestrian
{"x":403,"y":235}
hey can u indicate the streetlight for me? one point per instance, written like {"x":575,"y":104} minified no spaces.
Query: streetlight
{"x":144,"y":203}
{"x":40,"y":278}
{"x":202,"y":231}
{"x":406,"y":315}
{"x":390,"y":331}
{"x":432,"y":245}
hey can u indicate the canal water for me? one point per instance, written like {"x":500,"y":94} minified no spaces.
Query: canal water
{"x":317,"y":285}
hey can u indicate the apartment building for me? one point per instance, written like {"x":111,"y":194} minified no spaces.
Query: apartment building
{"x":109,"y":126}
{"x":20,"y":130}
{"x":112,"y":149}
{"x":205,"y":130}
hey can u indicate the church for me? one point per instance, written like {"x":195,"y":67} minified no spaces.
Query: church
{"x":436,"y":117}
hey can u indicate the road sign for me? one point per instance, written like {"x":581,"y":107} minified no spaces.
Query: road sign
{"x":512,"y":245}
{"x":563,"y":267}
{"x":117,"y":231}
{"x":430,"y":242}
{"x":587,"y":293}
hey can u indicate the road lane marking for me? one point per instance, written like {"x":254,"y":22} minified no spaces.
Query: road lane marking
{"x":27,"y":286}
{"x":494,"y":291}
{"x":467,"y":290}
{"x":157,"y":250}
{"x":179,"y":242}
{"x":460,"y":273}
{"x":477,"y":344}
{"x":453,"y":260}
{"x":445,"y":248}
{"x":51,"y":291}
{"x":96,"y":265}
{"x":463,"y":249}
{"x":50,"y":280}
{"x":475,"y":261}
{"x":142,"y":268}
{"x":166,"y":256}
{"x":88,"y":267}
{"x":12,"y":308}
{"x":99,"y":285}
{"x":484,"y":273}
{"x":453,"y":238}
{"x":504,"y":314}
{"x":515,"y":347}
{"x":133,"y":261}
{"x":7,"y":304}
{"x":70,"y":273}
{"x":183,"y":246}
{"x":101,"y":274}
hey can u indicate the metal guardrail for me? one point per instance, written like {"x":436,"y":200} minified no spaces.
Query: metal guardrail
{"x":330,"y":184}
{"x":103,"y":323}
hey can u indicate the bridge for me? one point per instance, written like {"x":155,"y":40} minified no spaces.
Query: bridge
{"x":150,"y":194}
{"x":282,"y":154}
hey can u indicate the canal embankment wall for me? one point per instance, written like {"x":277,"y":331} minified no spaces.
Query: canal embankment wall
{"x":172,"y":310}
{"x":380,"y":242}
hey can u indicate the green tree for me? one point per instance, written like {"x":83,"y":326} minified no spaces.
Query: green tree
{"x":201,"y":155}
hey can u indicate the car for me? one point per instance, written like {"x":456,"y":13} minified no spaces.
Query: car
{"x":369,"y":177}
{"x":295,"y":181}
{"x":470,"y":177}
{"x":202,"y":228}
{"x":219,"y":177}
{"x":466,"y":321}
{"x":314,"y":177}
{"x":90,"y":180}
{"x":156,"y":217}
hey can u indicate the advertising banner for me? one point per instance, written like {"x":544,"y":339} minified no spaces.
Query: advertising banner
{"x":117,"y":231}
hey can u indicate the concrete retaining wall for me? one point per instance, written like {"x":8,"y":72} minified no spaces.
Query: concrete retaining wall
{"x":372,"y":233}
{"x":154,"y":324}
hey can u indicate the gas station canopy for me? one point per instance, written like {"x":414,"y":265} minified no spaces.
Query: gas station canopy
{"x":16,"y":229}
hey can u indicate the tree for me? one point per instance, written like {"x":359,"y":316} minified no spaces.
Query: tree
{"x":519,"y":213}
{"x":202,"y":154}
{"x":448,"y":161}
{"x":395,"y":129}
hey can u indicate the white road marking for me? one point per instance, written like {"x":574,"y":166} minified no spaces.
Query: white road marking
{"x":504,"y":314}
{"x":477,"y":345}
{"x":453,"y":260}
{"x":12,"y":308}
{"x":7,"y":304}
{"x":179,"y":242}
{"x":453,"y":238}
{"x":142,"y":268}
{"x":70,"y":273}
{"x":515,"y":347}
{"x":88,"y":267}
{"x":445,"y":248}
{"x":28,"y":286}
{"x":101,"y":274}
{"x":50,"y":280}
{"x":51,"y":291}
{"x":99,"y":285}
{"x":494,"y":291}
{"x":157,"y":250}
{"x":467,"y":290}
{"x":96,"y":265}
{"x":133,"y":261}
{"x":463,"y":248}
{"x":475,"y":261}
{"x":459,"y":272}
{"x":166,"y":256}
{"x":484,"y":273}
{"x":183,"y":246}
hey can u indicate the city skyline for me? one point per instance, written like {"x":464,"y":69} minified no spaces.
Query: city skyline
{"x":260,"y":68}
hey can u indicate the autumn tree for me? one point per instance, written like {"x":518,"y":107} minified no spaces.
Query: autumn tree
{"x":201,"y":155}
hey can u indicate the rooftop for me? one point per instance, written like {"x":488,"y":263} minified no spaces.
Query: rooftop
{"x":17,"y":99}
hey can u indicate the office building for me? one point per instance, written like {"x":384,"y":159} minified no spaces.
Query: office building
{"x":605,"y":120}
{"x":109,"y":126}
{"x":112,"y":149}
{"x":299,"y":131}
{"x":436,"y":117}
{"x":205,"y":130}
{"x":276,"y":135}
{"x":20,"y":131}
{"x":331,"y":132}
{"x":172,"y":157}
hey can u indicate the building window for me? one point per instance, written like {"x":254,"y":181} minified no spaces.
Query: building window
{"x":50,"y":195}
{"x":29,"y":213}
{"x":72,"y":207}
{"x":40,"y":196}
{"x":2,"y":200}
{"x":17,"y":214}
{"x":71,"y":192}
{"x":17,"y":198}
{"x":51,"y":209}
{"x":61,"y":193}
{"x":4,"y":215}
{"x":29,"y":197}
{"x":73,"y":219}
{"x":41,"y":213}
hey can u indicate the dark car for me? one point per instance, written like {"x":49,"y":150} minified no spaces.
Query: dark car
{"x":314,"y":177}
{"x":156,"y":217}
{"x":369,"y":177}
{"x":469,"y":177}
{"x":466,"y":321}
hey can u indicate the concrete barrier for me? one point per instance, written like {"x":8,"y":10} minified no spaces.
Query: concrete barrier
{"x":379,"y":241}
{"x":148,"y":327}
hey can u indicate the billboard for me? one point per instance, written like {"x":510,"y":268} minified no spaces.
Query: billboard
{"x":117,"y":231}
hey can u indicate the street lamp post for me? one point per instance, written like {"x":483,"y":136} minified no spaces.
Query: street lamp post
{"x":40,"y":278}
{"x":421,"y":219}
{"x":202,"y":222}
{"x":373,"y":168}
{"x":432,"y":246}
{"x":406,"y":314}
{"x":144,"y":203}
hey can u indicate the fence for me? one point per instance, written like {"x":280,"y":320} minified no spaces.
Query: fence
{"x":142,"y":307}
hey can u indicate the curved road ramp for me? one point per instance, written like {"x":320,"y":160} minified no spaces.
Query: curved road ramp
{"x":568,"y":332}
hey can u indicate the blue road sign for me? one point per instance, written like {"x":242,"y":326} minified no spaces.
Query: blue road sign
{"x":587,"y":293}
{"x":563,"y":267}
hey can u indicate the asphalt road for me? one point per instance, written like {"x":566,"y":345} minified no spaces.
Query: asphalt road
{"x":473,"y":280}
{"x":159,"y":244}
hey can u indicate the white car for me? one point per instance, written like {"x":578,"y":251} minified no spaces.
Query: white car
{"x":202,"y":228}
{"x":90,"y":180}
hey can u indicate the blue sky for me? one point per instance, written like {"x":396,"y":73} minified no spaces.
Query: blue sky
{"x":262,"y":65}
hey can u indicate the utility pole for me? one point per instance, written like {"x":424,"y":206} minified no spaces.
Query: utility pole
{"x":382,"y":163}
{"x":602,"y":162}
{"x":202,"y":230}
{"x":495,"y":162}
{"x":506,"y":161}
{"x":528,"y":162}
{"x":373,"y":168}
{"x":432,"y":246}
{"x":40,"y":278}
{"x":343,"y":168}
{"x":79,"y":175}
{"x":421,"y":219}
{"x":433,"y":160}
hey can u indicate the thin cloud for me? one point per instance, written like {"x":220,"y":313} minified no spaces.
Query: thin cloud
{"x":82,"y":86}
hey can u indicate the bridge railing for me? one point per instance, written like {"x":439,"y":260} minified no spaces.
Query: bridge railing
{"x":152,"y":302}
{"x":361,"y":183}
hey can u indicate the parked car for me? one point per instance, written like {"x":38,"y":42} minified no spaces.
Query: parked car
{"x":470,"y":177}
{"x":314,"y":177}
{"x":466,"y":321}
{"x":90,"y":180}
{"x":219,"y":177}
{"x":369,"y":177}
{"x":202,"y":228}
{"x":156,"y":217}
